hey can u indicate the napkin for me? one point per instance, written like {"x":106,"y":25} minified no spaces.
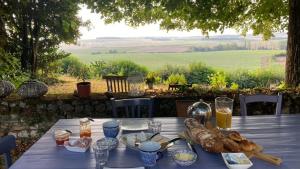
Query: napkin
{"x":125,"y":168}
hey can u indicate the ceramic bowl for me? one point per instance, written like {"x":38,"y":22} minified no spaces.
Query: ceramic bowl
{"x":111,"y":129}
{"x":184,"y":157}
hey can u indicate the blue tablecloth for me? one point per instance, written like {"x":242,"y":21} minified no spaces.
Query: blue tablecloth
{"x":278,"y":135}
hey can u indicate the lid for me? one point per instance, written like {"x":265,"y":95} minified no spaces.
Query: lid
{"x":60,"y":133}
{"x":112,"y":123}
{"x":149,"y":146}
{"x":84,"y":120}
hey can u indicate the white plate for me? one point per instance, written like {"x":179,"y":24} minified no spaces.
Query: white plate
{"x":158,"y":138}
{"x":236,"y":158}
{"x":134,"y":124}
{"x":68,"y":145}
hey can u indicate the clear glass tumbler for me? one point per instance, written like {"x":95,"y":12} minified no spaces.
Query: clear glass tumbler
{"x":101,"y":151}
{"x":224,"y":106}
{"x":154,"y":126}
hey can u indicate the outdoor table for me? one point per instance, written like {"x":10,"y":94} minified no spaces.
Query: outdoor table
{"x":278,"y":135}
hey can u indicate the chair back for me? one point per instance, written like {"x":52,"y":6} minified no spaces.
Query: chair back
{"x":7,"y":144}
{"x":244,"y":100}
{"x":132,"y":106}
{"x":116,"y":84}
{"x":178,"y":86}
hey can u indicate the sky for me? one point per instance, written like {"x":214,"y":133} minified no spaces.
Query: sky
{"x":99,"y":29}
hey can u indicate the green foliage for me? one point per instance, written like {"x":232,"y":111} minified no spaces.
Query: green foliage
{"x":234,"y":86}
{"x":176,"y":79}
{"x":256,"y":78}
{"x":263,"y":17}
{"x":218,"y":80}
{"x":127,"y":68}
{"x":168,"y":70}
{"x":70,"y":64}
{"x":81,"y":73}
{"x":99,"y":68}
{"x":122,"y":68}
{"x":199,"y":73}
{"x":150,"y":78}
{"x":10,"y":69}
{"x":35,"y":29}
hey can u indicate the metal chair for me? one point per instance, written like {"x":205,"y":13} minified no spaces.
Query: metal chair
{"x":116,"y":84}
{"x":132,"y":106}
{"x":7,"y":143}
{"x":244,"y":100}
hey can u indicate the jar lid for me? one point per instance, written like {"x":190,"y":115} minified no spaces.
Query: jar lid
{"x":84,"y":120}
{"x":61,"y":133}
{"x":149,"y":146}
{"x":112,"y":123}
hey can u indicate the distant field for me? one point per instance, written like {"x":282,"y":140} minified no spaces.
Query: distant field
{"x":226,"y":60}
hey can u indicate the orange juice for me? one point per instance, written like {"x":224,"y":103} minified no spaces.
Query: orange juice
{"x":223,"y":118}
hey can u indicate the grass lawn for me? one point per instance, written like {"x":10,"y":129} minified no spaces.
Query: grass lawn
{"x":226,"y":60}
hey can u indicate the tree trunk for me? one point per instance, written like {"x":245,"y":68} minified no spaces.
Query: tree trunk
{"x":25,"y":45}
{"x":292,"y":73}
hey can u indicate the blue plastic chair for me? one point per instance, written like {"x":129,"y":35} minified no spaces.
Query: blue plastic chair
{"x":7,"y":143}
{"x":132,"y":106}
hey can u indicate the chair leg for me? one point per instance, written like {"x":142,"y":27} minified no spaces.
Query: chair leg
{"x":8,"y":160}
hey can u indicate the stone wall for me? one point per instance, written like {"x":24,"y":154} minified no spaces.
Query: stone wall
{"x":31,"y":117}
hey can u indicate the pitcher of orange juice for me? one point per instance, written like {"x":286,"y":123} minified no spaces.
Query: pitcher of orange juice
{"x":224,"y":106}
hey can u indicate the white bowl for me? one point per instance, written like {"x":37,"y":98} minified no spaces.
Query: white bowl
{"x":236,"y":160}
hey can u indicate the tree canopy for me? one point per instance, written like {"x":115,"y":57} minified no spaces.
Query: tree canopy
{"x":34,"y":29}
{"x":262,"y":16}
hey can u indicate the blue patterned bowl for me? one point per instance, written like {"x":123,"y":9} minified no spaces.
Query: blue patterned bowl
{"x":111,"y":129}
{"x":184,"y":157}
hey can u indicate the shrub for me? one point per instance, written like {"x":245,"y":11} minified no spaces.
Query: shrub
{"x":70,"y":64}
{"x":199,"y":73}
{"x":168,"y":70}
{"x":257,"y":78}
{"x":176,"y":79}
{"x":82,"y":73}
{"x":10,"y":69}
{"x":99,"y":68}
{"x":127,"y":68}
{"x":218,"y":80}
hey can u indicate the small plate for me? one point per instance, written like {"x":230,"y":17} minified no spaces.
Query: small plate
{"x":134,"y":125}
{"x":236,"y":160}
{"x":158,"y":138}
{"x":78,"y":145}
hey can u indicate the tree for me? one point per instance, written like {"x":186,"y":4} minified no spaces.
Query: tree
{"x":35,"y":28}
{"x":263,"y":17}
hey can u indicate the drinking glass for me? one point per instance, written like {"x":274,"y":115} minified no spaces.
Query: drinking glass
{"x":154,"y":126}
{"x":101,"y":151}
{"x":224,"y":106}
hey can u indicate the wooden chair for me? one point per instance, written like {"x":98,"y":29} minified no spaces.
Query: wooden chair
{"x":132,"y":106}
{"x":178,"y":86}
{"x":117,"y":84}
{"x":244,"y":100}
{"x":7,"y":144}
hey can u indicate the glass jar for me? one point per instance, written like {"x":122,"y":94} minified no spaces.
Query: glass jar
{"x":85,"y":128}
{"x":61,"y":136}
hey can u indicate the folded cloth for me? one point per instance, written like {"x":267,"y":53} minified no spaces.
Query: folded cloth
{"x":125,"y":168}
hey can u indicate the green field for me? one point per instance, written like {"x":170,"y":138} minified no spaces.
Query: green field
{"x":226,"y":60}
